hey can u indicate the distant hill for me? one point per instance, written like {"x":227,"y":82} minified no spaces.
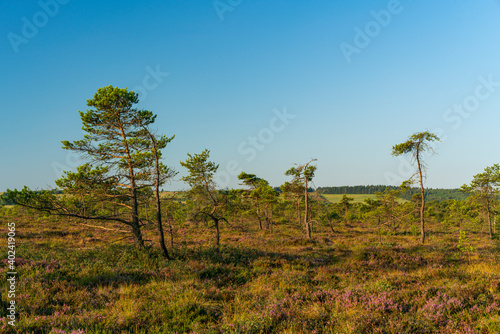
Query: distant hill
{"x":431,"y":194}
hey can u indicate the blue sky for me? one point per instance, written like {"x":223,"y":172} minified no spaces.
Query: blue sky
{"x":354,"y":78}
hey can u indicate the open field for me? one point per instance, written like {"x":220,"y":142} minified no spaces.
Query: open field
{"x":332,"y":198}
{"x":168,"y":193}
{"x":80,"y":279}
{"x":324,"y":175}
{"x":358,"y":198}
{"x":178,"y":195}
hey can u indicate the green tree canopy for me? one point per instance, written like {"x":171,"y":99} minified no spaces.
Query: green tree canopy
{"x":208,"y":201}
{"x":120,"y":163}
{"x":485,"y":188}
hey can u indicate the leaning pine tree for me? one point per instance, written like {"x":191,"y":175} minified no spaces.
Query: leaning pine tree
{"x":120,"y":156}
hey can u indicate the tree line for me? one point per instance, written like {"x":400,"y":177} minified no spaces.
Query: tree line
{"x":430,"y":193}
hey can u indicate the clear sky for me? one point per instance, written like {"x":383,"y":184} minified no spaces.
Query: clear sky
{"x":262,"y":84}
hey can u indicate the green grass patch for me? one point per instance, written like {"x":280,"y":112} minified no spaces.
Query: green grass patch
{"x":358,"y":198}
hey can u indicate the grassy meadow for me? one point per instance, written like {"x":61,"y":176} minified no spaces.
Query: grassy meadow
{"x":81,"y":279}
{"x":357,"y":198}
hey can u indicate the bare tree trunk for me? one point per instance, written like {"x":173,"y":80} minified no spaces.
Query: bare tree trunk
{"x":422,"y":205}
{"x":136,"y":227}
{"x":306,"y":211}
{"x":490,"y":226}
{"x":299,"y":216}
{"x":158,"y":201}
{"x":266,"y":214}
{"x":137,"y":233}
{"x":258,"y":217}
{"x":311,"y":229}
{"x":160,"y":228}
{"x":217,"y":233}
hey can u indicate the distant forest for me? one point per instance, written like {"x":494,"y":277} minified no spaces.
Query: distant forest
{"x":430,"y":194}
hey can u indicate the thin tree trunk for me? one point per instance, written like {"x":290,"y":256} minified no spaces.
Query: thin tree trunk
{"x":160,"y":227}
{"x":136,"y":227}
{"x":306,"y":211}
{"x":217,"y":233}
{"x":136,"y":232}
{"x":310,"y":223}
{"x":266,"y":214}
{"x":135,"y":213}
{"x":299,"y":217}
{"x":422,"y":206}
{"x":216,"y":225}
{"x":158,"y":200}
{"x":258,"y":217}
{"x":490,"y":226}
